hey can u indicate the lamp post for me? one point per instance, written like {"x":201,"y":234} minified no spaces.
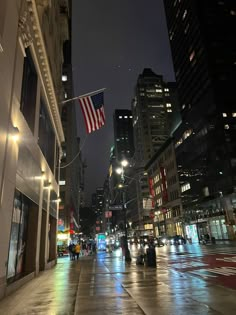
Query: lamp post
{"x":120,"y":171}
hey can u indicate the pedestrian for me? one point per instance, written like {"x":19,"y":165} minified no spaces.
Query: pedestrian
{"x":70,"y":248}
{"x":77,"y":250}
{"x":141,"y":256}
{"x":94,"y":247}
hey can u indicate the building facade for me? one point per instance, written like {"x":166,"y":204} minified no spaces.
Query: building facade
{"x":123,"y":134}
{"x":31,"y":61}
{"x":153,"y":110}
{"x":165,"y":189}
{"x":202,"y":38}
{"x":72,"y":165}
{"x":123,"y":150}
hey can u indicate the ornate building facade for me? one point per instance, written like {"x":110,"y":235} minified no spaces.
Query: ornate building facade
{"x":32,"y":33}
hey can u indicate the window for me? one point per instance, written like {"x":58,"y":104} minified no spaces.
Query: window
{"x":168,"y":105}
{"x":186,"y":29}
{"x":19,"y":236}
{"x":185,"y":187}
{"x":226,"y":126}
{"x":3,"y":4}
{"x":46,"y":138}
{"x":62,"y":182}
{"x":192,"y":55}
{"x":184,"y":14}
{"x":224,"y":114}
{"x":233,"y":114}
{"x":29,"y":90}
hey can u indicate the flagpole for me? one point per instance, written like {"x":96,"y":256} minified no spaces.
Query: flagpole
{"x":87,"y":94}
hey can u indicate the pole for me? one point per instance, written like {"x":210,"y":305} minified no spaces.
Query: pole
{"x":124,"y":206}
{"x":87,"y":94}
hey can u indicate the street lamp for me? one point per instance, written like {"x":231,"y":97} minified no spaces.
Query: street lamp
{"x":120,"y":171}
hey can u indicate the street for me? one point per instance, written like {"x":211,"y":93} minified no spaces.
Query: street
{"x":189,"y":279}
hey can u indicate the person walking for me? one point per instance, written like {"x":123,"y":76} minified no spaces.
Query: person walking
{"x":70,"y":248}
{"x":77,"y":250}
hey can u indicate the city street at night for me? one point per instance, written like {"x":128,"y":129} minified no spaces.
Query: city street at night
{"x":189,"y":279}
{"x":117,"y":157}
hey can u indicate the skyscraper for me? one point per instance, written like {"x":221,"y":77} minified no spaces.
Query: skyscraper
{"x":72,"y":166}
{"x":123,"y":134}
{"x":202,"y":40}
{"x":152,"y":112}
{"x":153,"y":109}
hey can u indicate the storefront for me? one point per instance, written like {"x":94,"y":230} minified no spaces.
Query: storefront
{"x":179,"y":228}
{"x":191,"y":232}
{"x":19,"y":226}
{"x":170,"y":229}
{"x":218,"y":228}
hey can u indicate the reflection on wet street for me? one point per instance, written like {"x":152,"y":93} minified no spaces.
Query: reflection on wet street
{"x":105,"y":284}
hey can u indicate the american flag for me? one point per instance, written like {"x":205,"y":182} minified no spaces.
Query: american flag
{"x":93,"y":111}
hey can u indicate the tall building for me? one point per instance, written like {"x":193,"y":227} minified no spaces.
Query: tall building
{"x":202,"y":40}
{"x":152,"y":115}
{"x":123,"y":150}
{"x":98,"y":208}
{"x":153,"y":108}
{"x":31,"y":37}
{"x":71,"y":170}
{"x":123,"y":134}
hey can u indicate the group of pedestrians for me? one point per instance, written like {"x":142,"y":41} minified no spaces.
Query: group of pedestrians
{"x":74,"y":251}
{"x":81,"y":249}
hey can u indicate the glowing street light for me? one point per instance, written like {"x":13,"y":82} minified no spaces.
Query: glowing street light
{"x":120,"y":171}
{"x":124,"y":163}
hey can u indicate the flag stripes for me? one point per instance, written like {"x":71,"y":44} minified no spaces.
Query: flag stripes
{"x":93,"y":111}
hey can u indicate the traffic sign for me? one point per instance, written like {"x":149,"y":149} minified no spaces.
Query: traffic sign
{"x":115,"y":207}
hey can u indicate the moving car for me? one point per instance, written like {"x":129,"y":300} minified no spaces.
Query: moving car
{"x":158,"y":241}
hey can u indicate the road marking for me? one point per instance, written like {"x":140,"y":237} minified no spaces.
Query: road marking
{"x":227,"y":259}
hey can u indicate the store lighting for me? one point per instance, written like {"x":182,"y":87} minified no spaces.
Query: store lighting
{"x":15,"y":134}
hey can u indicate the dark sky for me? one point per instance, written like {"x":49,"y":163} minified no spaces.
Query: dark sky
{"x":112,"y":42}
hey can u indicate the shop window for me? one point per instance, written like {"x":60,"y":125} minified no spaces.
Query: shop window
{"x":18,"y":239}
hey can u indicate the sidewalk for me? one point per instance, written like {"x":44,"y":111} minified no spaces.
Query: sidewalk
{"x":104,"y":284}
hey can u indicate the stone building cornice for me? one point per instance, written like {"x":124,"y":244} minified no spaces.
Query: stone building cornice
{"x":40,"y":49}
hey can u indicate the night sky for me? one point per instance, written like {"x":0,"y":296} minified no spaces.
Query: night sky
{"x":112,"y":42}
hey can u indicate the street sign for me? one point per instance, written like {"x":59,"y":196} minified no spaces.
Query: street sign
{"x":115,"y":207}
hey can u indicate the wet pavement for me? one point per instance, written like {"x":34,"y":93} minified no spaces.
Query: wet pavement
{"x":105,"y":284}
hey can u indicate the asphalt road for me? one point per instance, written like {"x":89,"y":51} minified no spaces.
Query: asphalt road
{"x":213,"y":263}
